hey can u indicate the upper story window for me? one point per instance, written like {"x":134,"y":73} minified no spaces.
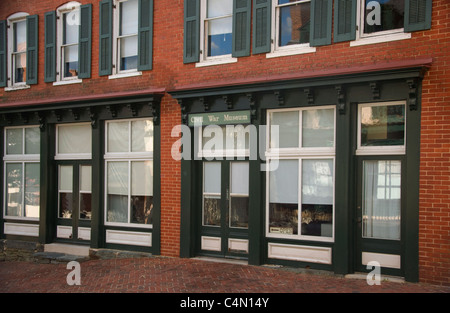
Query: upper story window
{"x":126,"y":35}
{"x":218,"y":24}
{"x":69,"y":36}
{"x":127,"y":41}
{"x":18,"y":51}
{"x":292,"y":24}
{"x":68,"y":43}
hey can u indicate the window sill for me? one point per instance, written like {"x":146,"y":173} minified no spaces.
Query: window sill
{"x":19,"y":87}
{"x":380,"y":39}
{"x":288,"y":52}
{"x":213,"y":62}
{"x":68,"y":82}
{"x":125,"y":75}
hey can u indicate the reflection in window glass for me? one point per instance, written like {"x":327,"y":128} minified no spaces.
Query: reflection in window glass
{"x":211,"y":193}
{"x":70,"y":45}
{"x":32,"y":189}
{"x":219,"y":27}
{"x":383,"y":125}
{"x":318,"y":128}
{"x":317,"y":197}
{"x":128,"y":35}
{"x":294,"y":22}
{"x":14,"y":187}
{"x":19,"y":53}
{"x":382,"y":15}
{"x":117,"y":192}
{"x":14,"y":141}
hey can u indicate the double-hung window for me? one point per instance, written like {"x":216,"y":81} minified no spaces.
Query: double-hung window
{"x":126,"y":35}
{"x":300,"y":184}
{"x":129,"y":173}
{"x":68,"y":43}
{"x":18,"y":51}
{"x":22,"y":172}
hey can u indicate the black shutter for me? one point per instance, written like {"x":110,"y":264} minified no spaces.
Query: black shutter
{"x":105,"y":45}
{"x":32,"y":49}
{"x":344,"y":20}
{"x":145,"y":35}
{"x":3,"y":52}
{"x":242,"y":10}
{"x":191,"y":51}
{"x":84,"y":41}
{"x":321,"y":16}
{"x":417,"y":15}
{"x":50,"y":47}
{"x":262,"y":13}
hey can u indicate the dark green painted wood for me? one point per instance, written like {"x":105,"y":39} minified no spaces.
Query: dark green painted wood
{"x":242,"y":11}
{"x":156,"y":231}
{"x":344,"y":20}
{"x":97,"y":229}
{"x":417,"y":15}
{"x":262,"y":16}
{"x":321,"y":21}
{"x":32,"y":49}
{"x":191,"y":53}
{"x":50,"y":47}
{"x":145,"y":35}
{"x":105,"y":43}
{"x":3,"y":54}
{"x":85,"y":41}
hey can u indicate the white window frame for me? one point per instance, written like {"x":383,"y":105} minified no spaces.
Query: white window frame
{"x":205,"y":60}
{"x":116,"y":72}
{"x":378,"y":37}
{"x":22,"y":159}
{"x":300,"y":154}
{"x":70,"y":156}
{"x":65,"y":8}
{"x":128,"y":157}
{"x":279,"y":51}
{"x":11,"y":85}
{"x":380,"y":150}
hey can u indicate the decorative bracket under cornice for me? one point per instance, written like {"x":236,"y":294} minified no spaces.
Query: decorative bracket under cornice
{"x":309,"y":92}
{"x":154,"y":105}
{"x":182,"y":105}
{"x":228,"y":101}
{"x":252,"y":103}
{"x":412,"y":94}
{"x":375,"y":87}
{"x":93,"y":116}
{"x":280,"y":97}
{"x":41,"y":119}
{"x":340,"y":99}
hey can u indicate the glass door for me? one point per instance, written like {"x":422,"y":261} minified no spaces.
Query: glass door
{"x":74,"y":201}
{"x":225,"y":208}
{"x":380,"y":213}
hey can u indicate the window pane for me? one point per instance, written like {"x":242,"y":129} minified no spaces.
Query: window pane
{"x":381,"y":199}
{"x":85,"y":191}
{"x":14,"y":141}
{"x":86,"y":178}
{"x":117,"y":190}
{"x":239,"y":178}
{"x":283,"y":198}
{"x":14,"y":187}
{"x":294,"y":24}
{"x":239,"y":212}
{"x":219,"y":8}
{"x":74,"y":139}
{"x":211,"y":210}
{"x":288,"y":129}
{"x":383,"y":125}
{"x":20,"y":36}
{"x":32,"y":140}
{"x":142,"y":136}
{"x":71,"y":28}
{"x":128,"y":53}
{"x":118,"y":133}
{"x":317,"y":198}
{"x":212,"y":177}
{"x":70,"y":61}
{"x":318,"y":128}
{"x":381,"y":15}
{"x":85,"y":206}
{"x":32,"y":189}
{"x":220,"y":36}
{"x":128,"y":17}
{"x":20,"y":67}
{"x":65,"y":191}
{"x":141,"y":192}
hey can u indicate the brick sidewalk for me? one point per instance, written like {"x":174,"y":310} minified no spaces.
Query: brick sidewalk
{"x":173,"y":275}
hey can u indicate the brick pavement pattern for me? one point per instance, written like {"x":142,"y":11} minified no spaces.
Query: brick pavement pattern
{"x":174,"y":275}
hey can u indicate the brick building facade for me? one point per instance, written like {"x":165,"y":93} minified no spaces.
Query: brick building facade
{"x":354,"y":86}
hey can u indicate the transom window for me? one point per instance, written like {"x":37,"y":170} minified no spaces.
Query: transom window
{"x":300,"y":186}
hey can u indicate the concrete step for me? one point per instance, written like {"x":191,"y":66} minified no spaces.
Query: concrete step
{"x":56,"y":257}
{"x":78,"y":250}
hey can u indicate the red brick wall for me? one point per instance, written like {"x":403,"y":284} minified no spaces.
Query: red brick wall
{"x":169,"y":71}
